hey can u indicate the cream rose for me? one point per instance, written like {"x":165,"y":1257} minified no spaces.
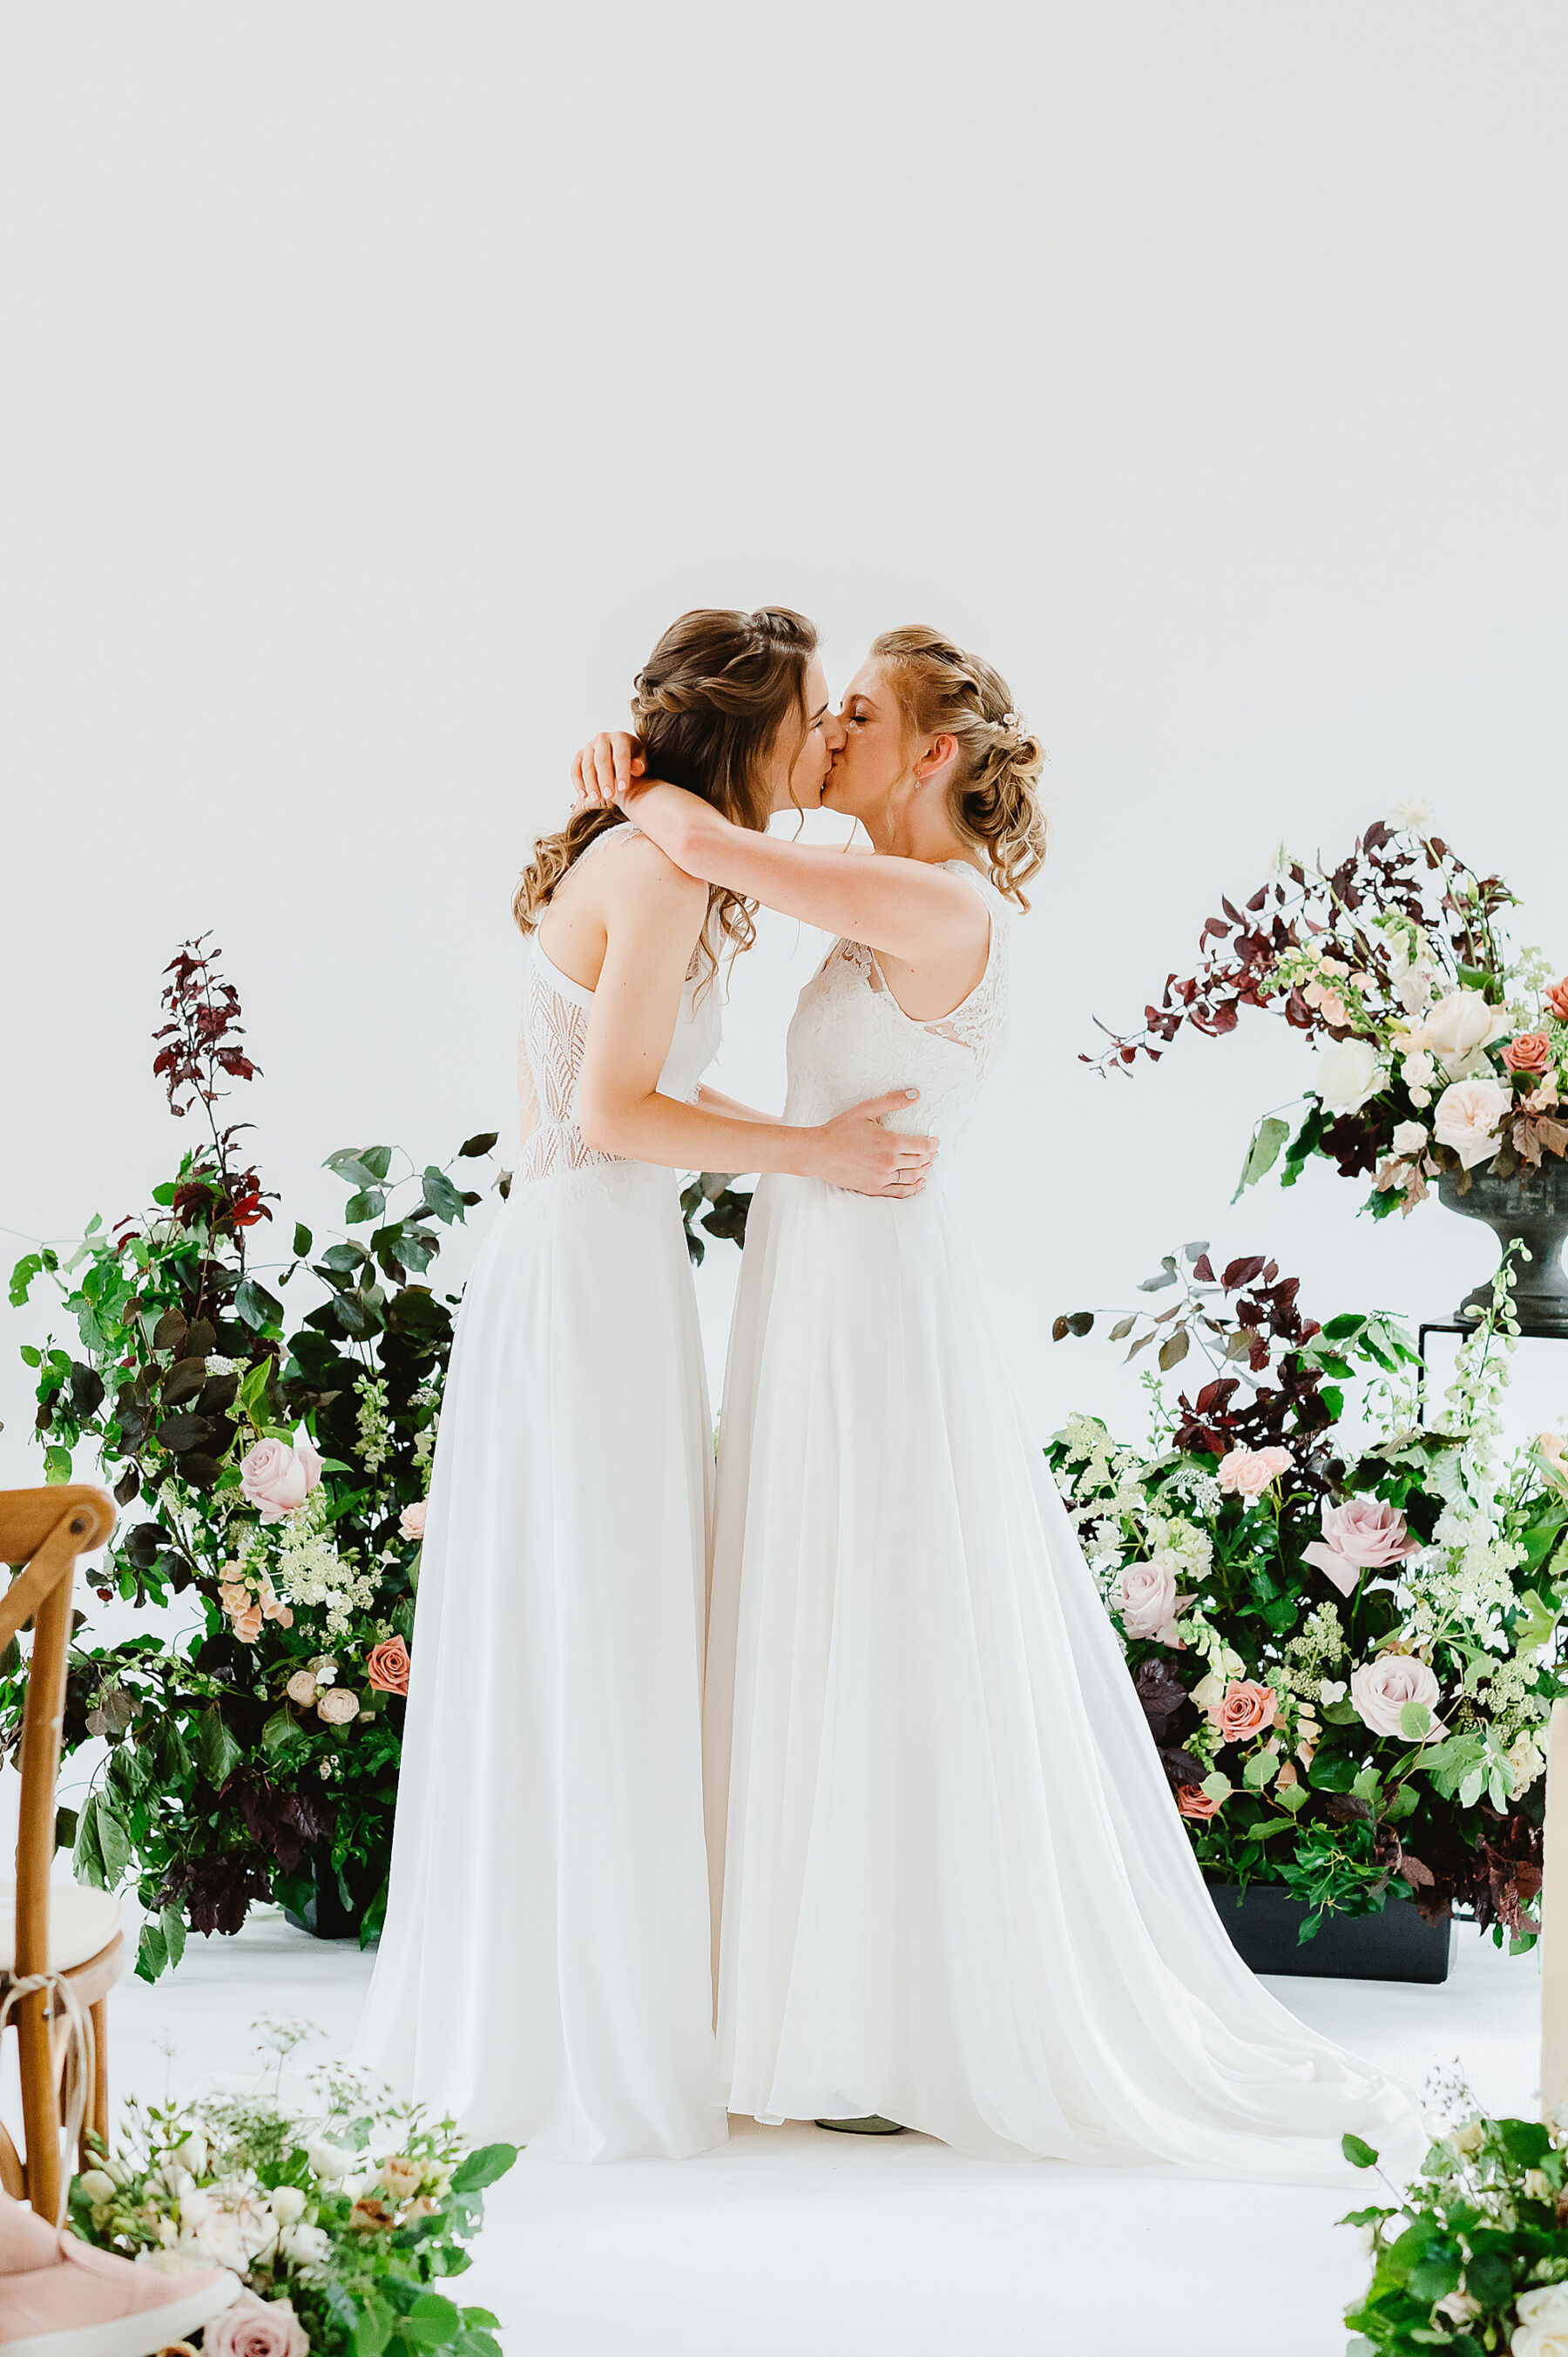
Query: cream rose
{"x":411,"y":1522}
{"x":1380,"y":1689}
{"x":301,"y":1687}
{"x":1147,"y":1592}
{"x":1458,"y":1029}
{"x":277,"y":1478}
{"x":256,"y":2328}
{"x":1410,"y":1138}
{"x":338,"y":1707}
{"x":1346,"y":1073}
{"x":401,"y":2176}
{"x":1542,"y":2326}
{"x":1470,"y":1118}
{"x":286,"y":2203}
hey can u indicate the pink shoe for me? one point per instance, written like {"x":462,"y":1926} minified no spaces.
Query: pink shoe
{"x":73,"y":2300}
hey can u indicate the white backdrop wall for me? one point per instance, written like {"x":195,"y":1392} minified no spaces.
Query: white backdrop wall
{"x":379,"y":380}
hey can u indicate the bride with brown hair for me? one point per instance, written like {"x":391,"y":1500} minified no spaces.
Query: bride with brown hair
{"x":544,"y":1972}
{"x":955,"y":1890}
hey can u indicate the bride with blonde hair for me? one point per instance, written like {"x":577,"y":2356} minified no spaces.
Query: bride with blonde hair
{"x":544,"y":1972}
{"x":954,"y":1890}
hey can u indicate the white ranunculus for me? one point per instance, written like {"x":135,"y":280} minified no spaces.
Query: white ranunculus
{"x":286,"y":2203}
{"x":329,"y":2161}
{"x":1409,"y":1137}
{"x":1470,"y":1118}
{"x":306,"y":2246}
{"x":1542,"y":2326}
{"x":1346,"y":1073}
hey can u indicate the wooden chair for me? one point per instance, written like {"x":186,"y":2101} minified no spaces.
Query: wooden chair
{"x":61,"y":1948}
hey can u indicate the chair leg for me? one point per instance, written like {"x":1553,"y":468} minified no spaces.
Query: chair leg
{"x":40,"y":2105}
{"x":96,"y":2117}
{"x":12,"y":2176}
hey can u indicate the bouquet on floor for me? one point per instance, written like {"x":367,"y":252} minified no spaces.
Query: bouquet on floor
{"x":1437,"y":1050}
{"x":274,"y":1463}
{"x":1474,"y":2254}
{"x":1347,"y":1648}
{"x":339,"y":2213}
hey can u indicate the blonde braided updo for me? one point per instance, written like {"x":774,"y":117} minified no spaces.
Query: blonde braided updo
{"x":993,"y":796}
{"x":710,"y":704}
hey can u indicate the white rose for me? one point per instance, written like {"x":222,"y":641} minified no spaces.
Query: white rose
{"x":1409,"y":1137}
{"x":329,"y":2161}
{"x":1542,"y":2326}
{"x":1466,"y":2138}
{"x":286,"y":2203}
{"x":1420,"y":1068}
{"x":96,"y":2185}
{"x":1346,"y":1073}
{"x":1459,"y":1029}
{"x":191,"y":2152}
{"x":306,"y":2246}
{"x":1470,"y":1118}
{"x":194,"y":2205}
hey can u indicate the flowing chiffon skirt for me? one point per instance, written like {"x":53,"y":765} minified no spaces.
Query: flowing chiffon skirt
{"x":546,"y":1969}
{"x":955,"y":1887}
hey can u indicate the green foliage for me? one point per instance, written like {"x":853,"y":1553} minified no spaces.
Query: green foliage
{"x":1475,"y":2250}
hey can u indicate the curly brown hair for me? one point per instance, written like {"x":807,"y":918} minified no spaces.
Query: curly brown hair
{"x":709,"y":705}
{"x":994,"y":794}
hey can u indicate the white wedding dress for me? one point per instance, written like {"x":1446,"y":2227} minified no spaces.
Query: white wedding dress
{"x":545,"y":1970}
{"x":955,"y":1887}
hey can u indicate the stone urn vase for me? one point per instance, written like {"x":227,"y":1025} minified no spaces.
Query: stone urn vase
{"x":1533,"y":1206}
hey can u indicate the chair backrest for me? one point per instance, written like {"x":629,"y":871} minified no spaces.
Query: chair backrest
{"x":43,"y":1531}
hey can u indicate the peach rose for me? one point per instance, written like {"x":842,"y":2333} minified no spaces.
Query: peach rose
{"x":277,"y":1478}
{"x":1363,"y":1535}
{"x":1380,"y":1690}
{"x":337,"y":1705}
{"x":1248,"y":1472}
{"x":1245,"y":1708}
{"x":1557,"y":999}
{"x":1147,"y":1594}
{"x":401,"y":2175}
{"x":370,"y":2216}
{"x":301,"y":1687}
{"x":1528,"y":1051}
{"x":1458,"y":1028}
{"x":1550,"y":1445}
{"x":1470,"y":1118}
{"x":386,"y":1666}
{"x":1194,"y":1802}
{"x":256,"y":2328}
{"x":411,"y":1522}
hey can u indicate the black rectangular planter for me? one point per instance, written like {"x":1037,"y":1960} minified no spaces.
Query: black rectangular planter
{"x":1392,"y":1945}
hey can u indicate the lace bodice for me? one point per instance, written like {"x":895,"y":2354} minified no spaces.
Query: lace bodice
{"x":551,"y":1040}
{"x":850,"y":1039}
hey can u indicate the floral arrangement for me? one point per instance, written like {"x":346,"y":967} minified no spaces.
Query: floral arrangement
{"x":338,"y":2214}
{"x":280,"y":1461}
{"x":1437,"y":1050}
{"x":1347,"y":1651}
{"x":1474,"y":2254}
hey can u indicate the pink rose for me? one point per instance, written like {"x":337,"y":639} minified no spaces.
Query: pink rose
{"x":1194,"y":1802}
{"x":278,"y":1479}
{"x":411,"y":1522}
{"x":1363,"y":1535}
{"x":1530,"y":1052}
{"x":256,"y":2328}
{"x":337,"y":1705}
{"x":1246,"y":1709}
{"x":1148,"y":1597}
{"x":1380,"y":1690}
{"x":1469,"y":1116}
{"x":1248,"y":1472}
{"x":387,"y":1666}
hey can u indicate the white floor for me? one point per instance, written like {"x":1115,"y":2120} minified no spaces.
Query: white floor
{"x":793,"y":2239}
